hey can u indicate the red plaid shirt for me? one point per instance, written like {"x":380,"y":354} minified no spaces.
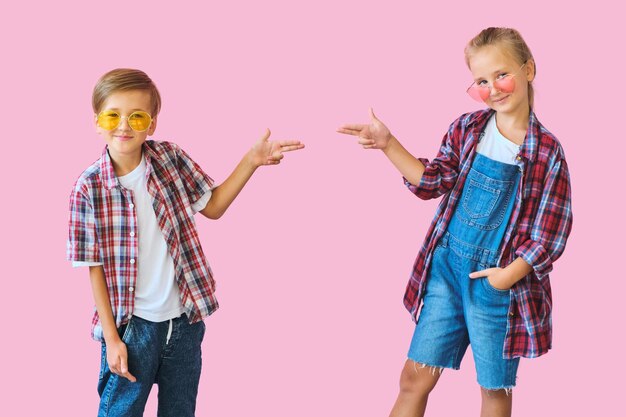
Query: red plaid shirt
{"x":537,"y":231}
{"x":103,"y":228}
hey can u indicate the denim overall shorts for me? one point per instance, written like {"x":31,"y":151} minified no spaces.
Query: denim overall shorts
{"x":458,"y":311}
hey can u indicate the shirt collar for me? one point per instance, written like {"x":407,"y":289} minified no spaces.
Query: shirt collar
{"x":528,"y":148}
{"x":109,"y":179}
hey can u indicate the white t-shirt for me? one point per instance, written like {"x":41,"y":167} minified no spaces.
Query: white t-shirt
{"x":157,"y":297}
{"x":495,"y":146}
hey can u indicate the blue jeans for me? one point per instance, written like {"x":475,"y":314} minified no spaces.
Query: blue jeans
{"x":458,"y":310}
{"x":166,"y":353}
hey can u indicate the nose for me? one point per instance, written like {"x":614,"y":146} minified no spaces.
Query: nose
{"x":494,"y":90}
{"x":123,"y":126}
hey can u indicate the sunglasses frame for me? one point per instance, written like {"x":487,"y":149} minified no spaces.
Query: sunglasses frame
{"x":125,"y":117}
{"x":488,"y":87}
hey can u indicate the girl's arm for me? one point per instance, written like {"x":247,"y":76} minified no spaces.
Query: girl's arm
{"x":409,"y":166}
{"x":377,"y":136}
{"x":425,"y":179}
{"x":264,"y":152}
{"x":548,"y":236}
{"x":552,"y":224}
{"x":117,"y":356}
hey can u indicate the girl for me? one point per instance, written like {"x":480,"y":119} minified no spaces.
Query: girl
{"x":481,"y":276}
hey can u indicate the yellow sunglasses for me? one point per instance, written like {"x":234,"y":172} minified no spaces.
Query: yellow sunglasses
{"x":139,"y":121}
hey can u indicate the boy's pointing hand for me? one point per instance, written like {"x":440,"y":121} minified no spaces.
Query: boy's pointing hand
{"x":266,"y":152}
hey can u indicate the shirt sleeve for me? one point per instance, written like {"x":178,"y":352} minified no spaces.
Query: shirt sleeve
{"x":201,"y":204}
{"x":553,"y":223}
{"x":197,"y":183}
{"x":82,"y":242}
{"x":441,"y":173}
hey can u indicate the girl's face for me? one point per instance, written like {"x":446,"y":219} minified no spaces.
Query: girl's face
{"x":491,"y":63}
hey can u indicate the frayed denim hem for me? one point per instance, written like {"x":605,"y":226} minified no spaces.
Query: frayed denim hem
{"x":433,"y":368}
{"x":508,"y":389}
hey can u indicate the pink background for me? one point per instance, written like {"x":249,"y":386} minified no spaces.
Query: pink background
{"x":313,"y":258}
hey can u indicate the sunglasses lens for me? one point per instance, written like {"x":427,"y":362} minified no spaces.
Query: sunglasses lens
{"x":505,"y":84}
{"x":139,"y":121}
{"x":108,"y":120}
{"x":479,"y":94}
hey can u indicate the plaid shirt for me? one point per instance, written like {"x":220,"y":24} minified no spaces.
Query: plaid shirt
{"x":537,"y":230}
{"x":103,"y":228}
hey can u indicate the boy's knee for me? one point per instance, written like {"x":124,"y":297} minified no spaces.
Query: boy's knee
{"x":419,"y":378}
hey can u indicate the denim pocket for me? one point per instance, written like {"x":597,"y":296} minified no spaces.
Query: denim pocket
{"x":484,"y":200}
{"x":480,"y":199}
{"x":493,"y":289}
{"x":103,"y":362}
{"x":124,"y":332}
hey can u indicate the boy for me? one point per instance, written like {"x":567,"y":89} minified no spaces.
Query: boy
{"x":131,"y":221}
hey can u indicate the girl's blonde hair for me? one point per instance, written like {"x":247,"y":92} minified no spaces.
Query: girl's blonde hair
{"x":125,"y":79}
{"x":513,"y":43}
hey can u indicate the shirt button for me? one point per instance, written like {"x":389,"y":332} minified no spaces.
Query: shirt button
{"x":132,"y":261}
{"x":132,"y":234}
{"x":131,"y":205}
{"x":131,"y":289}
{"x":511,"y":314}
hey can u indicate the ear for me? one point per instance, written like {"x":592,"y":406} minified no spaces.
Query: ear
{"x":95,"y":123}
{"x":530,"y":70}
{"x":152,"y":127}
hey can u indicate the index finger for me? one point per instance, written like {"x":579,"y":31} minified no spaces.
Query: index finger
{"x":291,"y":147}
{"x":353,"y":126}
{"x":354,"y":130}
{"x":289,"y":143}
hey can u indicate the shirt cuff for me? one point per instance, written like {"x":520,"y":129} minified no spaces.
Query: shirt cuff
{"x":536,"y":256}
{"x":77,"y":264}
{"x":418,"y":188}
{"x":202,"y":202}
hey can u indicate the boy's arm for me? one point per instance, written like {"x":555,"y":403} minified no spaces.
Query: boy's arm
{"x":223,"y":195}
{"x":117,"y":356}
{"x":263,"y":152}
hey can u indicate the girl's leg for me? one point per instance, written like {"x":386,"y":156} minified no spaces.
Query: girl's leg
{"x":440,"y":338}
{"x":416,"y":382}
{"x":487,"y":314}
{"x":496,"y":403}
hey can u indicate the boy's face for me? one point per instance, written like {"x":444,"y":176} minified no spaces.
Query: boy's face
{"x":123,"y":141}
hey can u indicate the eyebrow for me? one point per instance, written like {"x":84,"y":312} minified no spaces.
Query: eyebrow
{"x":498,"y":71}
{"x":132,"y":110}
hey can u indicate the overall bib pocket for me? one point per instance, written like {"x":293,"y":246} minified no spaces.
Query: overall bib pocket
{"x":484,"y":201}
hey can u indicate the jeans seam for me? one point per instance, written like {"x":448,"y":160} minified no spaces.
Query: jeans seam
{"x":107,"y":393}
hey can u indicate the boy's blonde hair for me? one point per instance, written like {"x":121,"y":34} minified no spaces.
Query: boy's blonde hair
{"x":125,"y":79}
{"x":513,"y":43}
